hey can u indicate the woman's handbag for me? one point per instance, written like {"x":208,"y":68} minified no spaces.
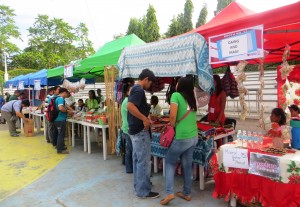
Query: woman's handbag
{"x":167,"y":135}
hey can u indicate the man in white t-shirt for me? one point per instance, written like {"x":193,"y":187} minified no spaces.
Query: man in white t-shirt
{"x":70,"y":100}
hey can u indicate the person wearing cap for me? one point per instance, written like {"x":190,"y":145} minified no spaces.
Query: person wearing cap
{"x":295,"y":111}
{"x":139,"y":132}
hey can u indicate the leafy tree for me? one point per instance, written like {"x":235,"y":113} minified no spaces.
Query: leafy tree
{"x":202,"y":16}
{"x":151,"y":26}
{"x":183,"y":22}
{"x":8,"y":31}
{"x":53,"y":42}
{"x":222,"y":4}
{"x":175,"y":26}
{"x":136,"y":26}
{"x":85,"y":46}
{"x":117,"y":36}
{"x":187,"y":24}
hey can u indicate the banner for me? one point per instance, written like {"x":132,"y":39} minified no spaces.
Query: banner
{"x":235,"y":157}
{"x":264,"y":165}
{"x":238,"y":45}
{"x":37,"y":85}
{"x":21,"y":85}
{"x":68,"y":71}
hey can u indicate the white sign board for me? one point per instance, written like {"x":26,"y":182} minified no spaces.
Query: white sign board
{"x":21,"y":85}
{"x":235,"y":157}
{"x":10,"y":86}
{"x":237,"y":45}
{"x":234,"y":46}
{"x":68,"y":71}
{"x":37,"y":85}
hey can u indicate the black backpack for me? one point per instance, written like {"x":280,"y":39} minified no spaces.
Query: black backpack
{"x":52,"y":111}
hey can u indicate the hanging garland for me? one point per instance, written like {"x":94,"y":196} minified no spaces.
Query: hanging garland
{"x":241,"y":77}
{"x":285,"y":67}
{"x":74,"y":87}
{"x":260,"y":94}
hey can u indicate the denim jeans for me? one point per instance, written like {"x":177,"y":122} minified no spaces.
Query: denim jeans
{"x":141,"y":156}
{"x":128,"y":154}
{"x":60,"y":136}
{"x":184,"y":150}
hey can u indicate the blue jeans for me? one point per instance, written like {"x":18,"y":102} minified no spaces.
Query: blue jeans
{"x":141,"y":156}
{"x":128,"y":154}
{"x":184,"y":150}
{"x":60,"y":134}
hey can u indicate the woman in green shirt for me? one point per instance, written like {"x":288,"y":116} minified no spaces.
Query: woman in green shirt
{"x":92,"y":102}
{"x":125,"y":135}
{"x":185,"y":140}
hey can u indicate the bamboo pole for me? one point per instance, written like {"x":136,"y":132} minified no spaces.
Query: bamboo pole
{"x":109,"y":79}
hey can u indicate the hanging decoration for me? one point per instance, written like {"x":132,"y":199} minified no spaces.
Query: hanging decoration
{"x":241,"y":77}
{"x":37,"y":85}
{"x":74,"y":87}
{"x":21,"y":85}
{"x":260,"y":94}
{"x":285,"y":67}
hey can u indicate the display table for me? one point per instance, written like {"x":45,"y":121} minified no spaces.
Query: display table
{"x":87,"y":137}
{"x":38,"y":120}
{"x":202,"y":152}
{"x":241,"y":184}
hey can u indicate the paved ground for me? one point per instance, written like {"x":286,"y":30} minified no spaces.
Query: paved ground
{"x":83,"y":180}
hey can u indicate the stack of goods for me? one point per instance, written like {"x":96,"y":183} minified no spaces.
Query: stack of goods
{"x":92,"y":117}
{"x":158,"y":122}
{"x":274,"y":150}
{"x":205,"y":131}
{"x":248,"y":139}
{"x":95,"y":117}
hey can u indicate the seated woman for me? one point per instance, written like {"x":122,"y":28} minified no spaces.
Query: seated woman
{"x":294,"y":109}
{"x":278,"y":118}
{"x":155,"y":107}
{"x":92,"y":102}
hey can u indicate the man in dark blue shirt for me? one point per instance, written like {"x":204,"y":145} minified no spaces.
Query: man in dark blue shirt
{"x":139,"y":124}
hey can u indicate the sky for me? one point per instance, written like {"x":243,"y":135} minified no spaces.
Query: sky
{"x":105,"y":18}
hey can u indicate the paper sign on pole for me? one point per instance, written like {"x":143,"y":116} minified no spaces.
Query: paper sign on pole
{"x":235,"y":157}
{"x":10,"y":86}
{"x":21,"y":85}
{"x":37,"y":85}
{"x":68,"y":71}
{"x":238,"y":45}
{"x":265,"y":165}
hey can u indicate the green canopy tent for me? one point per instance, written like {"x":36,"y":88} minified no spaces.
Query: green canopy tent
{"x":107,"y":55}
{"x":56,"y":72}
{"x":55,"y":76}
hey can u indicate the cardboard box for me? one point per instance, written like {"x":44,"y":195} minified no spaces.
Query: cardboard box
{"x":29,"y":128}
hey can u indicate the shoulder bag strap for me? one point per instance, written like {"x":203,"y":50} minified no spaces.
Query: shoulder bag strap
{"x":184,"y":116}
{"x":12,"y":108}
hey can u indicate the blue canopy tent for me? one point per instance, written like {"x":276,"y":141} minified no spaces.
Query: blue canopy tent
{"x":11,"y":81}
{"x":21,"y":78}
{"x":40,"y":75}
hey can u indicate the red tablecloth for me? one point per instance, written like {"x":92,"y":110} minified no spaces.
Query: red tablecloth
{"x":248,"y":187}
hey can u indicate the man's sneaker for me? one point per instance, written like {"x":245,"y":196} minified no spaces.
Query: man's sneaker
{"x":14,"y":135}
{"x":63,"y":152}
{"x":152,"y":195}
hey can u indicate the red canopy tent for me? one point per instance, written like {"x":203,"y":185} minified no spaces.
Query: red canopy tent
{"x":281,"y":27}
